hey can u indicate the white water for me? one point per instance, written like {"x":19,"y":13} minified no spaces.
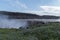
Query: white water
{"x":11,"y":23}
{"x":16,"y":23}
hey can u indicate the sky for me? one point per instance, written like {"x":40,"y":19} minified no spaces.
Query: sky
{"x":39,"y":7}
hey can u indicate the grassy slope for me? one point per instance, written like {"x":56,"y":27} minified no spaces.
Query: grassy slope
{"x":49,"y":32}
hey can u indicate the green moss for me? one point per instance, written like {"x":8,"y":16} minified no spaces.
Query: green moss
{"x":48,"y":32}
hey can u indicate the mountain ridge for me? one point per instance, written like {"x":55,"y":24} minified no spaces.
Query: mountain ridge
{"x":21,"y":15}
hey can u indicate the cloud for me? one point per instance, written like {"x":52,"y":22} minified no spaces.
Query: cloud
{"x":53,"y":9}
{"x":17,"y":3}
{"x":23,"y":5}
{"x":46,"y":10}
{"x":39,"y":12}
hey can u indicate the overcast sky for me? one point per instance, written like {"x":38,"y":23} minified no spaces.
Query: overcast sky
{"x":40,"y":7}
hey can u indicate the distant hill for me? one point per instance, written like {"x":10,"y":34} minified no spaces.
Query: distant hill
{"x":20,"y":15}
